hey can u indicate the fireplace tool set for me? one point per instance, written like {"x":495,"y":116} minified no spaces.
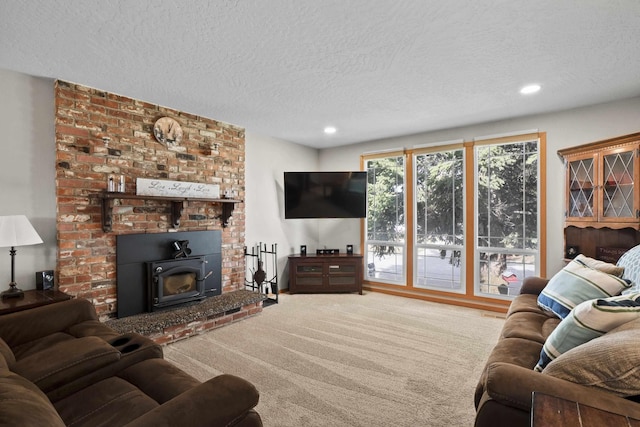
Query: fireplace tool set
{"x":262,"y":271}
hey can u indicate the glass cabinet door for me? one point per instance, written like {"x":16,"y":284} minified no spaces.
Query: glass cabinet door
{"x":618,"y":172}
{"x":309,"y":274}
{"x":582,"y":180}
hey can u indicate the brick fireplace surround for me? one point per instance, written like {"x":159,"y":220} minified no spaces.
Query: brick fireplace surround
{"x":211,"y":152}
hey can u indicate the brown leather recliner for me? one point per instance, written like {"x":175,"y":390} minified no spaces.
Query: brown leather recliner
{"x":59,"y":365}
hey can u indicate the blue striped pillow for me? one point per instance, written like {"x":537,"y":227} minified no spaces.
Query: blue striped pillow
{"x":630,"y":261}
{"x":576,"y":283}
{"x":589,"y":320}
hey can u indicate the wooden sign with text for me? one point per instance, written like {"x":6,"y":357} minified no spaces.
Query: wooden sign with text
{"x":167,"y":188}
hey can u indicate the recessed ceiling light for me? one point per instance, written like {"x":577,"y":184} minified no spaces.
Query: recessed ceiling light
{"x":529,"y":89}
{"x":329,"y":130}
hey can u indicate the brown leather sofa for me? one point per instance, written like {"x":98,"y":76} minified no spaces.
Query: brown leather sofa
{"x":59,"y":365}
{"x":504,"y":393}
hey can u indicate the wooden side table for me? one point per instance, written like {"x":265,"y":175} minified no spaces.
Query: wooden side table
{"x":31,"y":299}
{"x":549,"y":411}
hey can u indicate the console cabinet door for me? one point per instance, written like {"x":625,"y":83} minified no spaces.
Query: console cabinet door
{"x":342,"y":275}
{"x":307,"y":275}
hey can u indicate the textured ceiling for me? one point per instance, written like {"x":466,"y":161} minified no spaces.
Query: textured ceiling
{"x":371,"y":68}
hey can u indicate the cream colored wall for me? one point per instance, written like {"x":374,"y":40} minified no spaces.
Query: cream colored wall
{"x":564,"y":129}
{"x":27,"y":175}
{"x":266,"y":161}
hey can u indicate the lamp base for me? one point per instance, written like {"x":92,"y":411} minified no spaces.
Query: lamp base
{"x":12,"y":292}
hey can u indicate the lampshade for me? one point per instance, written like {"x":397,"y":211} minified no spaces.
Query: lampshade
{"x":16,"y":230}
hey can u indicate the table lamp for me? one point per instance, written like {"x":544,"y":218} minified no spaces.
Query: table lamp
{"x":16,"y":230}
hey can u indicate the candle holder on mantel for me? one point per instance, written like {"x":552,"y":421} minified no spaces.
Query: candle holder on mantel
{"x":115,"y":183}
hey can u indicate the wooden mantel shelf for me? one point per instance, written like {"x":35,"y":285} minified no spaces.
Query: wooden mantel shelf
{"x":177,"y":204}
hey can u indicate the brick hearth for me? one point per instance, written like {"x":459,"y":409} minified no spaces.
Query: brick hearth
{"x":182,"y":322}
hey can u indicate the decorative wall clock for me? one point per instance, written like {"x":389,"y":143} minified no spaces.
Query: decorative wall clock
{"x":168,"y":131}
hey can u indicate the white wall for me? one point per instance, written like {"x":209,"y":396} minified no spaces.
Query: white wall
{"x":564,"y":129}
{"x":266,"y":161}
{"x":27,"y":175}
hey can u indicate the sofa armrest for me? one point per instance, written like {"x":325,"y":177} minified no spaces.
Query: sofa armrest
{"x":512,"y":385}
{"x":533,"y":285}
{"x":132,"y":348}
{"x":29,"y":325}
{"x":23,"y":404}
{"x":221,"y":401}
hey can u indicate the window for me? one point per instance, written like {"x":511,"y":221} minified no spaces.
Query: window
{"x":439,"y":220}
{"x":464,"y":219}
{"x":385,"y":223}
{"x":507,"y":211}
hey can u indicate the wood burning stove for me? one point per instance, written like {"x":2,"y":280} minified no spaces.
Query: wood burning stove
{"x":175,"y":281}
{"x":134,"y":253}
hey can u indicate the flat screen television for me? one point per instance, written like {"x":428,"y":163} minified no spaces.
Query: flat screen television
{"x":325,"y":194}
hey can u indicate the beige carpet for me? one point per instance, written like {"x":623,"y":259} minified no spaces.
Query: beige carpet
{"x":351,"y":360}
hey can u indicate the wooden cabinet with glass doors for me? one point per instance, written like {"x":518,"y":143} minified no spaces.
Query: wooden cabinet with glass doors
{"x":602,"y":194}
{"x":325,"y":273}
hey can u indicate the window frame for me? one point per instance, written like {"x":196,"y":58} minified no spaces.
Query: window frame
{"x":463,"y":265}
{"x":364,"y":228}
{"x":468,"y":296}
{"x":496,"y":249}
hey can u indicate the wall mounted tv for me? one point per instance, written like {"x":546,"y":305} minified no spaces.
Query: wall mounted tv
{"x":325,"y":194}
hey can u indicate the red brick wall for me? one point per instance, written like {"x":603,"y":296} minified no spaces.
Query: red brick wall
{"x":211,"y":152}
